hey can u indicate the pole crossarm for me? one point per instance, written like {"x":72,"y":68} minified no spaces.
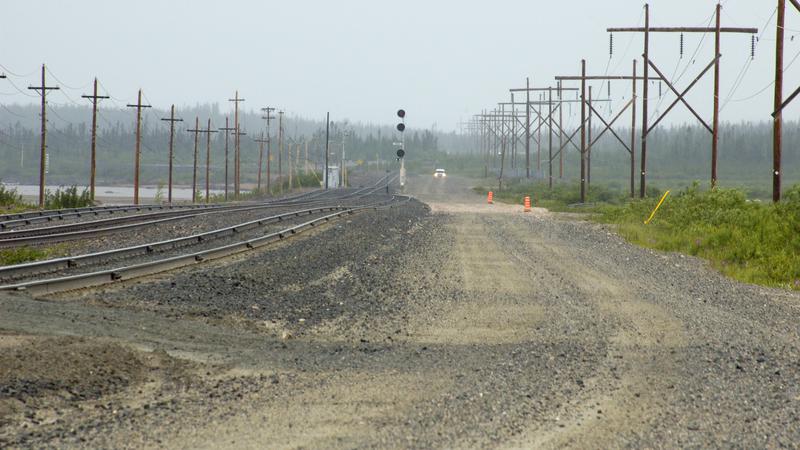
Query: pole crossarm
{"x":569,"y":141}
{"x":545,"y":89}
{"x":682,"y":30}
{"x":609,"y":125}
{"x":603,"y":77}
{"x":682,"y":94}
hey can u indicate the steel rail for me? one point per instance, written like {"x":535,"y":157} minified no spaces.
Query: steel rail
{"x":98,"y":278}
{"x":49,"y":215}
{"x":70,"y":231}
{"x":27,"y":235}
{"x":55,"y":264}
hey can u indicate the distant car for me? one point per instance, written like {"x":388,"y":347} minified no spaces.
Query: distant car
{"x":439,"y":173}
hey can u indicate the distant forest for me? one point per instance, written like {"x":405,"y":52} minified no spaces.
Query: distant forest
{"x":69,"y":143}
{"x":677,"y":155}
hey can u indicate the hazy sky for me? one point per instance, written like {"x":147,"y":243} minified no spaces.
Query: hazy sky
{"x":362,"y":59}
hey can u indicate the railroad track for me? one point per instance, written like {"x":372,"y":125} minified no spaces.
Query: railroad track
{"x":52,"y":215}
{"x":94,"y":228}
{"x":137,"y":270}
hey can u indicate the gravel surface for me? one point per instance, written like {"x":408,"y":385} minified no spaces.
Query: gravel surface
{"x":403,"y":328}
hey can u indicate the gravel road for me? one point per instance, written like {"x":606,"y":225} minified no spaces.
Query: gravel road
{"x":444,"y":323}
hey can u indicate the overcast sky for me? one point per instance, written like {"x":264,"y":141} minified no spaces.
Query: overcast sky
{"x":441,"y":60}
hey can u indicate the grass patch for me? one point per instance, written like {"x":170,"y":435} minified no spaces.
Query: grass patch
{"x":22,"y":255}
{"x":562,"y":197}
{"x":750,"y":241}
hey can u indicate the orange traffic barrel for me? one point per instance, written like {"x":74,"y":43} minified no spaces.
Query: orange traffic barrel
{"x":527,"y":204}
{"x":490,"y":198}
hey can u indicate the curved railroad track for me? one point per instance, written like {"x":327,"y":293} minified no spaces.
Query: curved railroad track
{"x":95,"y":278}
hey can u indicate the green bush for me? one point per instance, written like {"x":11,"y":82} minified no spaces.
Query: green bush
{"x":67,"y":198}
{"x":10,"y":197}
{"x":748,"y":240}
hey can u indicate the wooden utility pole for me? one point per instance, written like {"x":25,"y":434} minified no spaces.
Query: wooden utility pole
{"x":42,"y":90}
{"x":607,"y":125}
{"x":780,"y":103}
{"x":633,"y":132}
{"x":171,"y":119}
{"x":583,"y":130}
{"x":236,"y":171}
{"x":589,"y":138}
{"x":327,"y":148}
{"x":261,"y":141}
{"x":550,"y":136}
{"x":268,"y":117}
{"x":196,"y":130}
{"x":527,"y":128}
{"x":138,"y":153}
{"x":208,"y":132}
{"x":777,"y":116}
{"x":718,"y":30}
{"x":280,"y":150}
{"x":227,"y":131}
{"x":238,"y":134}
{"x":94,"y":98}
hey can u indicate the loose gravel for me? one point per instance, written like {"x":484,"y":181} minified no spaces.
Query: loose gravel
{"x":402,"y":328}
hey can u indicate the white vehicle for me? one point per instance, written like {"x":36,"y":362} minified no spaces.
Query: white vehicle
{"x":439,"y":173}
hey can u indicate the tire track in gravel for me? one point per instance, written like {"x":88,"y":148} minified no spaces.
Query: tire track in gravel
{"x":639,"y":366}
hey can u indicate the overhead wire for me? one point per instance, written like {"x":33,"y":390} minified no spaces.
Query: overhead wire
{"x":746,"y":67}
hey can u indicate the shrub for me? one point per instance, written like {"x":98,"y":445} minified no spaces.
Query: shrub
{"x":67,"y":198}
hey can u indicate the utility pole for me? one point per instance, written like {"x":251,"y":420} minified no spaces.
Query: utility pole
{"x":227,"y":131}
{"x":560,"y":133}
{"x":527,"y":128}
{"x":780,"y":103}
{"x":327,"y":147}
{"x":261,"y":141}
{"x":583,"y":130}
{"x":777,"y":116}
{"x":196,"y":130}
{"x":94,"y":98}
{"x":208,"y":132}
{"x":280,"y":150}
{"x":550,"y":135}
{"x":171,"y":119}
{"x":236,"y":180}
{"x":589,"y":137}
{"x":609,"y":124}
{"x":237,"y":134}
{"x":268,"y":117}
{"x":718,"y":30}
{"x":42,"y":90}
{"x":138,"y":107}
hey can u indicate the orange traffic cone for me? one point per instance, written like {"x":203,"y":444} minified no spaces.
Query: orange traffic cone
{"x":490,"y":198}
{"x":527,"y":204}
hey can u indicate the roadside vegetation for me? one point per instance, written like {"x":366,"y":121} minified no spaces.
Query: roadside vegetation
{"x":749,"y":240}
{"x":562,"y":197}
{"x":68,"y":197}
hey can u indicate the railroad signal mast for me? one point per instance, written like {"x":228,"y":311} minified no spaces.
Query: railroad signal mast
{"x":401,"y":152}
